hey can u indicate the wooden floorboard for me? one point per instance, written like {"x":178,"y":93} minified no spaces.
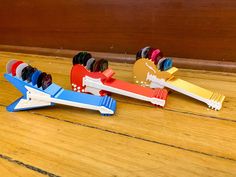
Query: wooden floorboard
{"x":183,"y":139}
{"x":67,"y":149}
{"x":14,"y":168}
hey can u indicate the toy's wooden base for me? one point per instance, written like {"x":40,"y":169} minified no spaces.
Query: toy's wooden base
{"x":183,"y":139}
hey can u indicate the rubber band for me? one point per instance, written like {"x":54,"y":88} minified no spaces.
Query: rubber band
{"x":40,"y":78}
{"x":27,"y":73}
{"x":89,"y":64}
{"x":14,"y":66}
{"x":9,"y":65}
{"x":35,"y":76}
{"x":46,"y":81}
{"x":144,"y":52}
{"x":154,"y":56}
{"x":19,"y":69}
{"x":86,"y":57}
{"x":138,"y":55}
{"x":103,"y":65}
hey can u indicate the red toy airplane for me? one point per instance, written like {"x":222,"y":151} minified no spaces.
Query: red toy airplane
{"x":102,"y":83}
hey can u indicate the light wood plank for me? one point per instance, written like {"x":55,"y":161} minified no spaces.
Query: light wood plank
{"x":67,"y":149}
{"x":14,"y":170}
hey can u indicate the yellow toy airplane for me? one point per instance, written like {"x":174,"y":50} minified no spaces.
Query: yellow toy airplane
{"x":145,"y":73}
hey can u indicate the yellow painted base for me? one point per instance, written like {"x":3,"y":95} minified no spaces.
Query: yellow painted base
{"x":145,"y":73}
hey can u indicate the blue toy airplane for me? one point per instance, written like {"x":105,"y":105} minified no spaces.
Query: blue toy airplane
{"x":34,"y":97}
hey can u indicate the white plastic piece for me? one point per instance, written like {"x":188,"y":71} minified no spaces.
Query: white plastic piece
{"x":94,"y":86}
{"x":30,"y":102}
{"x":38,"y":97}
{"x":162,"y":83}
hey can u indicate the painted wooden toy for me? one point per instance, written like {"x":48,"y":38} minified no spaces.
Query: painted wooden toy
{"x":152,"y":70}
{"x":39,"y":91}
{"x":91,"y":76}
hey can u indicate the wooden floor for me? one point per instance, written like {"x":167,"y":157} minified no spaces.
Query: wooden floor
{"x":183,"y":139}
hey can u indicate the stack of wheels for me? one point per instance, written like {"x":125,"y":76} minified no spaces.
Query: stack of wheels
{"x":86,"y":59}
{"x":156,"y":56}
{"x":29,"y":74}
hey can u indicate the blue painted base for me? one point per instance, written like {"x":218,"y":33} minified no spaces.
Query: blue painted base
{"x":106,"y":103}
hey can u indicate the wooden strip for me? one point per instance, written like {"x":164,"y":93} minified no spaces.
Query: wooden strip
{"x":14,"y":170}
{"x":213,"y":65}
{"x":70,"y":150}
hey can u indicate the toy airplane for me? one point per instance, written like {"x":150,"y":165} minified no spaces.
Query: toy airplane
{"x":39,"y":91}
{"x":145,"y":73}
{"x":101,"y":83}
